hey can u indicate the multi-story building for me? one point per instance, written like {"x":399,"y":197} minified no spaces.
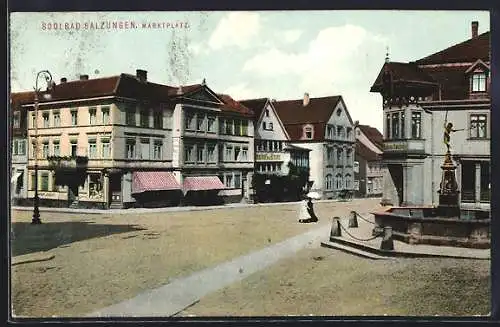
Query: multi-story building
{"x":19,"y":150}
{"x":273,"y":151}
{"x":110,"y":142}
{"x":324,"y":126}
{"x":452,"y":85}
{"x":212,"y":144}
{"x":368,"y":165}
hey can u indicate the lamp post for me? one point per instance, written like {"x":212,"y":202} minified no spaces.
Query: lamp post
{"x":48,"y":78}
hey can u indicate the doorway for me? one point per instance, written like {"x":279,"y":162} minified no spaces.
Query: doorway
{"x":115,"y":190}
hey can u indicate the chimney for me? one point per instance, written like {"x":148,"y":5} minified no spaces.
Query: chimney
{"x":306,"y":99}
{"x":64,"y":80}
{"x":475,"y":26}
{"x":84,"y":77}
{"x":142,"y":75}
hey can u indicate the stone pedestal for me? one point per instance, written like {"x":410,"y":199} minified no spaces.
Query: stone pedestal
{"x":448,"y":192}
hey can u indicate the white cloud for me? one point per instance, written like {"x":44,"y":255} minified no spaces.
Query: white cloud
{"x":235,"y":29}
{"x":337,"y":61}
{"x":290,"y":36}
{"x":241,"y":91}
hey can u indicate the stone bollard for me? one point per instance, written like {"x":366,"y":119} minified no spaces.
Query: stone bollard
{"x":377,"y":230}
{"x":387,"y":242}
{"x":335,"y":232}
{"x":353,"y":219}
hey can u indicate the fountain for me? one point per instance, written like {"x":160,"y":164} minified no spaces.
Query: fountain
{"x":445,"y":224}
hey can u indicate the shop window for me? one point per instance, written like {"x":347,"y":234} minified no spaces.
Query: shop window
{"x":95,"y":186}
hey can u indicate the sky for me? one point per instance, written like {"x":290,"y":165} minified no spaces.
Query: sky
{"x":275,"y":54}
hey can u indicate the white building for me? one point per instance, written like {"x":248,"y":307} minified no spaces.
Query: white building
{"x":19,"y":150}
{"x":452,"y":85}
{"x":324,"y":126}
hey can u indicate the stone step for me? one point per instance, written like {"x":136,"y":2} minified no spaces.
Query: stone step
{"x":353,"y":250}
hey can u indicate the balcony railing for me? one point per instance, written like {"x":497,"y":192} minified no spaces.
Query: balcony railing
{"x":67,"y":162}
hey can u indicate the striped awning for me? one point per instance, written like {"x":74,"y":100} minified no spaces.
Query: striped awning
{"x":143,"y":181}
{"x":202,"y":183}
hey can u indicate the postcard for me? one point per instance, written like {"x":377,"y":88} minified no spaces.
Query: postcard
{"x":258,"y":163}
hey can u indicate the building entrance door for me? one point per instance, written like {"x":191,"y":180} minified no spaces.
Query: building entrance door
{"x":115,"y":190}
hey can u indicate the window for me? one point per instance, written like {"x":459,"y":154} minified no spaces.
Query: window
{"x":267,"y":112}
{"x":46,"y":120}
{"x":145,"y":149}
{"x":244,"y":128}
{"x":329,"y":182}
{"x":478,"y":82}
{"x":264,"y":125}
{"x":478,"y":125}
{"x":92,"y":116}
{"x":92,"y":149}
{"x":340,"y":131}
{"x":200,"y":157}
{"x":237,"y":180}
{"x":200,"y":122}
{"x":395,"y":125}
{"x":105,"y":148}
{"x":329,"y":155}
{"x":229,"y":181}
{"x":57,"y":119}
{"x":356,"y":167}
{"x":33,"y":181}
{"x":349,"y":132}
{"x":388,"y":126}
{"x":308,"y":132}
{"x":34,"y":150}
{"x":188,"y":153}
{"x":348,"y":181}
{"x":211,"y":124}
{"x":130,"y":148}
{"x":55,"y":187}
{"x":33,"y":120}
{"x":144,"y":118}
{"x":56,"y":151}
{"x":74,"y":118}
{"x":244,"y":154}
{"x":16,"y":121}
{"x":229,"y":153}
{"x":105,"y":115}
{"x":158,"y":120}
{"x":188,"y":123}
{"x":45,"y":150}
{"x":157,"y":150}
{"x":348,"y":156}
{"x":338,"y":181}
{"x":211,"y":153}
{"x":222,"y":127}
{"x":402,"y":125}
{"x":270,"y":127}
{"x":416,"y":123}
{"x":229,"y":127}
{"x":44,"y":183}
{"x":21,"y":147}
{"x":95,"y":186}
{"x":130,"y":115}
{"x":237,"y":150}
{"x":237,"y":127}
{"x":339,"y":156}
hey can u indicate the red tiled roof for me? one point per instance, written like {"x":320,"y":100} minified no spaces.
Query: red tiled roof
{"x":467,"y":51}
{"x":365,"y":152}
{"x":454,"y":82}
{"x":256,"y":105}
{"x":373,"y":135}
{"x":20,"y":98}
{"x":402,"y":73}
{"x":143,"y":181}
{"x":294,"y":115}
{"x":201,"y":183}
{"x":233,"y":106}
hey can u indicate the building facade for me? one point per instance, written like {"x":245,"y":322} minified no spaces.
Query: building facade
{"x":324,"y":126}
{"x":19,"y":150}
{"x":109,"y":143}
{"x":368,"y":165}
{"x":420,"y":97}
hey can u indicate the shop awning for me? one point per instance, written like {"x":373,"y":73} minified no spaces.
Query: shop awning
{"x":143,"y":181}
{"x":16,"y":175}
{"x":202,"y":183}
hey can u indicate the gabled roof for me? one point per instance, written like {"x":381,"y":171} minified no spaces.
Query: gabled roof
{"x":256,"y":105}
{"x":373,"y":135}
{"x":467,"y":51}
{"x":294,"y":115}
{"x":403,"y":73}
{"x":233,"y":106}
{"x":365,"y":152}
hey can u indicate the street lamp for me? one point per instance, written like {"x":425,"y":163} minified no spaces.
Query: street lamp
{"x":48,"y":78}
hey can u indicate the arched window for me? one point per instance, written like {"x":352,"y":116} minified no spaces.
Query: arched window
{"x":338,"y":181}
{"x":329,"y":182}
{"x":308,"y":132}
{"x":348,"y":181}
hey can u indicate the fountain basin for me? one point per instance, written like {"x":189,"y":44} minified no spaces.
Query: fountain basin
{"x":422,"y":225}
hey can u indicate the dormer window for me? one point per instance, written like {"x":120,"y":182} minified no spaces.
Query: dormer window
{"x":478,"y":82}
{"x":308,"y":132}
